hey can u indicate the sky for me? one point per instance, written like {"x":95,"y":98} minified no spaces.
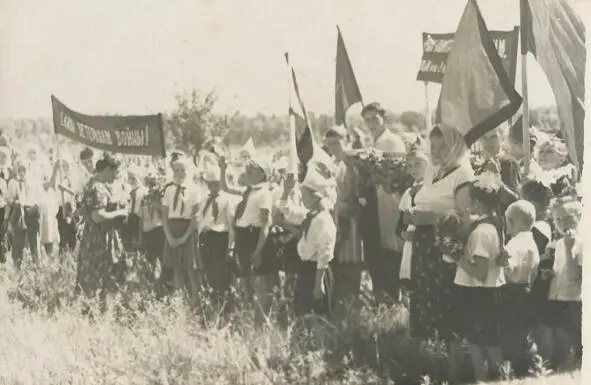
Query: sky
{"x":134,"y":56}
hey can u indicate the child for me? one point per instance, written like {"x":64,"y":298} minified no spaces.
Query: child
{"x":152,"y":233}
{"x":132,"y":228}
{"x":216,"y":235}
{"x":252,"y":221}
{"x":316,"y":245}
{"x":520,"y":273}
{"x":179,"y":208}
{"x":561,"y":325}
{"x":48,"y":210}
{"x":416,"y":161}
{"x":479,"y":279}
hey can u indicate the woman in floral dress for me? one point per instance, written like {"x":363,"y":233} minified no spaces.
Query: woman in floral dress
{"x":100,"y":244}
{"x":432,"y":274}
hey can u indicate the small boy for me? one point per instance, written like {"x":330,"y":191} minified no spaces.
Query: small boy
{"x":520,"y":272}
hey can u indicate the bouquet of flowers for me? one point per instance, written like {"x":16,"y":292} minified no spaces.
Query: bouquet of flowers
{"x":154,"y":194}
{"x":377,"y":168}
{"x":449,"y":237}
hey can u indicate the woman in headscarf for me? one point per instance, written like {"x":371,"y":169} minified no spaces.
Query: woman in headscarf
{"x":432,"y":275}
{"x":100,"y":246}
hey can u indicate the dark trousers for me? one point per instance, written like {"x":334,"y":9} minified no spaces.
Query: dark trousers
{"x":21,"y":235}
{"x":67,"y":230}
{"x":3,"y":238}
{"x":214,"y":249}
{"x":384,"y":270}
{"x":516,"y":325}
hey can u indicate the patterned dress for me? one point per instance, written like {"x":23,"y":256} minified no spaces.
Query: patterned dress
{"x":431,"y":295}
{"x":100,"y":245}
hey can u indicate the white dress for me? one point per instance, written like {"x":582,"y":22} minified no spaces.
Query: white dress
{"x":48,"y":208}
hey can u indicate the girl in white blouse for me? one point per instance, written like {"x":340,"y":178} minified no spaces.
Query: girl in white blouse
{"x":560,"y":329}
{"x":317,"y":243}
{"x":478,"y":280}
{"x":252,"y":220}
{"x":179,"y":210}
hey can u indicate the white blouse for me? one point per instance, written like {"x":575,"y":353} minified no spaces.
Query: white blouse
{"x":318,"y":243}
{"x":524,"y":258}
{"x":439,"y":197}
{"x":188,"y":200}
{"x":567,"y":282}
{"x":483,"y":242}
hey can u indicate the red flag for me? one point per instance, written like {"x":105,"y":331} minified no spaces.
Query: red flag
{"x":346,"y":89}
{"x":476,"y":94}
{"x":555,"y":35}
{"x":306,"y":146}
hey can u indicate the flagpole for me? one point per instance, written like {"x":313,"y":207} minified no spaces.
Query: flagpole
{"x":293,"y":162}
{"x":525,"y":103}
{"x":427,"y":107}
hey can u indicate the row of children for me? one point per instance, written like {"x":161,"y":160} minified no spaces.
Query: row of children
{"x":517,"y":281}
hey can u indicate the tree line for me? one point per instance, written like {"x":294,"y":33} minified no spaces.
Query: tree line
{"x":194,"y":122}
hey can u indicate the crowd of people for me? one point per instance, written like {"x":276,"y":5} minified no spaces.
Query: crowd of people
{"x":516,"y":283}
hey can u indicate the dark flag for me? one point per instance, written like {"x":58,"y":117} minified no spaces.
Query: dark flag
{"x":346,"y":89}
{"x":476,"y":94}
{"x":555,"y":36}
{"x":306,"y":146}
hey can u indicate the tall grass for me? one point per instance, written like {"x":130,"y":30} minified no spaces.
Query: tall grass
{"x":45,"y":339}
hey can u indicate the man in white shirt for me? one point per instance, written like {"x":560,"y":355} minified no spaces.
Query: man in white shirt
{"x":23,"y":196}
{"x":382,"y":247}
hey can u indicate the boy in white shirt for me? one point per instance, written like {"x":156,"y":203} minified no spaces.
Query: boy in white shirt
{"x":520,"y":272}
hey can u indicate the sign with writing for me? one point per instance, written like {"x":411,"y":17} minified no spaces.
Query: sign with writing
{"x":436,"y":48}
{"x":140,"y":135}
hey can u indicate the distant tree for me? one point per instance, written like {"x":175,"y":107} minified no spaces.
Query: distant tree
{"x":194,"y":122}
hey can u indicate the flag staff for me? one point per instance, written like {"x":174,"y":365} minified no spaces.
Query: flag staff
{"x":293,"y":156}
{"x":525,"y":105}
{"x":427,"y":108}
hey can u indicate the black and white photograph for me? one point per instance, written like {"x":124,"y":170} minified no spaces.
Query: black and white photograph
{"x":275,"y":192}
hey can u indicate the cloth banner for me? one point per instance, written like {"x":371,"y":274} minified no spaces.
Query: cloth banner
{"x":139,"y":135}
{"x":555,"y":35}
{"x":437,"y":46}
{"x":477,"y":94}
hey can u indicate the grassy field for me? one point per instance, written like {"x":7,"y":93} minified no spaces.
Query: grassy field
{"x":45,"y":340}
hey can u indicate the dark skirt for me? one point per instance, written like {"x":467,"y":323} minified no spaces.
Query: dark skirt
{"x":431,"y":295}
{"x":152,"y":244}
{"x":214,"y":248}
{"x":245,"y":243}
{"x":476,"y":314}
{"x":304,"y":301}
{"x":186,"y":256}
{"x":130,"y":231}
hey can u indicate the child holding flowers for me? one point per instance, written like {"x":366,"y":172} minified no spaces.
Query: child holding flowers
{"x":560,"y":329}
{"x":416,"y":162}
{"x":479,"y":278}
